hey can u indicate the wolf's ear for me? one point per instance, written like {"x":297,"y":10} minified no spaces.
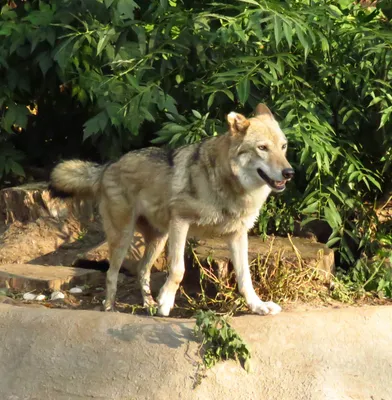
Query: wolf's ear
{"x":263,"y":111}
{"x":238,"y":124}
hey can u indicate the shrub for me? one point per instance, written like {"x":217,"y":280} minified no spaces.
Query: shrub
{"x":126,"y":69}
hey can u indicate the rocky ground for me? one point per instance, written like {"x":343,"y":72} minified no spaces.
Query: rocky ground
{"x":49,"y":246}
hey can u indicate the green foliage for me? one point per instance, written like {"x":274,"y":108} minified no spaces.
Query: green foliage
{"x":366,"y":278}
{"x":220,"y":340}
{"x":127,"y":69}
{"x":9,"y":158}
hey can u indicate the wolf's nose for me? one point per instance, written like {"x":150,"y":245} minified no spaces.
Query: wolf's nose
{"x":288,"y":173}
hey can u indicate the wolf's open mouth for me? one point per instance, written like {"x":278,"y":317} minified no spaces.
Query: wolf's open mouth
{"x":277,"y":185}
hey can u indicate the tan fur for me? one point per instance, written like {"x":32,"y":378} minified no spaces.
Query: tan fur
{"x":207,"y":189}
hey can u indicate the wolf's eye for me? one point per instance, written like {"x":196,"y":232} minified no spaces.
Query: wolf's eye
{"x":262,"y":148}
{"x":284,"y":147}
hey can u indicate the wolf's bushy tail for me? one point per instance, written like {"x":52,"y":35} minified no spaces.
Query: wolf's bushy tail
{"x":75,"y":178}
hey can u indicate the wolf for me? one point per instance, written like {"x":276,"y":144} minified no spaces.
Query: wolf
{"x":212,"y":188}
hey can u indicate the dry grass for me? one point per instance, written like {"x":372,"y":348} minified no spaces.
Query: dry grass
{"x":283,"y":280}
{"x":279,"y":280}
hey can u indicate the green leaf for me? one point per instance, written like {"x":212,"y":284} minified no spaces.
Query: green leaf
{"x":179,"y":78}
{"x":126,"y":8}
{"x":311,"y":208}
{"x":335,"y":11}
{"x":142,"y":40}
{"x":15,"y":115}
{"x":333,"y":241}
{"x":95,"y":125}
{"x":61,"y":53}
{"x":376,"y":100}
{"x":113,"y":111}
{"x":302,"y":39}
{"x":277,"y":30}
{"x":16,"y":168}
{"x":196,"y":114}
{"x":243,"y":89}
{"x":45,"y":62}
{"x":170,"y":104}
{"x":375,"y":183}
{"x":104,"y":37}
{"x":228,"y":93}
{"x":210,"y":101}
{"x":288,"y":33}
{"x":248,"y":365}
{"x":108,"y":3}
{"x":384,"y":118}
{"x":40,"y":17}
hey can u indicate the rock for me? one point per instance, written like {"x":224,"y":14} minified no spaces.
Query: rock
{"x":319,"y":354}
{"x":40,"y":297}
{"x":312,"y":254}
{"x":57,"y":296}
{"x":31,"y":201}
{"x":40,"y":277}
{"x":8,"y":300}
{"x":135,"y":253}
{"x":76,"y":290}
{"x":29,"y":296}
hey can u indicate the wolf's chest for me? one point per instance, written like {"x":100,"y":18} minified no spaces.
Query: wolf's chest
{"x":222,"y":221}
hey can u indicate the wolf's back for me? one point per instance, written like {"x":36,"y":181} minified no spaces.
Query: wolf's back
{"x":75,"y":178}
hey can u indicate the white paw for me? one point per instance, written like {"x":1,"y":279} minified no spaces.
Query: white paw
{"x":264,"y":308}
{"x":165,"y":303}
{"x":164,"y":310}
{"x":273,"y":307}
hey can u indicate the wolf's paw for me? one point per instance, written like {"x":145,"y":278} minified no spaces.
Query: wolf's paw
{"x":264,"y":308}
{"x":273,"y":307}
{"x":109,"y":307}
{"x":165,"y":303}
{"x":164,"y":310}
{"x":148,"y":301}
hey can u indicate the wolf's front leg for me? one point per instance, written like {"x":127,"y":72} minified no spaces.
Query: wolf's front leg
{"x":178,"y":232}
{"x":238,"y":244}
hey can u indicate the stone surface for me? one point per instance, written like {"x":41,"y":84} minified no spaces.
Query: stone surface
{"x":325,"y":354}
{"x":28,"y":277}
{"x":31,"y":201}
{"x":130,"y":263}
{"x":313,"y":254}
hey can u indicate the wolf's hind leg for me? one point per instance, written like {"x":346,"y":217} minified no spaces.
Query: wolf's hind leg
{"x":119,"y":236}
{"x":178,"y":232}
{"x":154,"y":242}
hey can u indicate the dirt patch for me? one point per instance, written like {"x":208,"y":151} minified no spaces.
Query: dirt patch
{"x":47,"y":241}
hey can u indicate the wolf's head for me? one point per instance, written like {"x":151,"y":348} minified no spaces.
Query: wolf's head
{"x":258,"y":151}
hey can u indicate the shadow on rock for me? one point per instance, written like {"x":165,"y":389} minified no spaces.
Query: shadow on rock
{"x":173,"y":335}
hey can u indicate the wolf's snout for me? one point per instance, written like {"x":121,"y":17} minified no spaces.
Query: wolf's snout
{"x":288,"y":173}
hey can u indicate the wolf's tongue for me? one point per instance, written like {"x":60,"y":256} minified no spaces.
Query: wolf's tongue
{"x":280,"y":183}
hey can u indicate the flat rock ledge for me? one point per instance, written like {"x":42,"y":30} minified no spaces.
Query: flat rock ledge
{"x":29,"y":277}
{"x":296,"y":251}
{"x":324,"y":354}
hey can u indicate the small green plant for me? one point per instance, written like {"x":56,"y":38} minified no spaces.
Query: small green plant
{"x":82,"y":234}
{"x":220,"y":340}
{"x":368,"y":278}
